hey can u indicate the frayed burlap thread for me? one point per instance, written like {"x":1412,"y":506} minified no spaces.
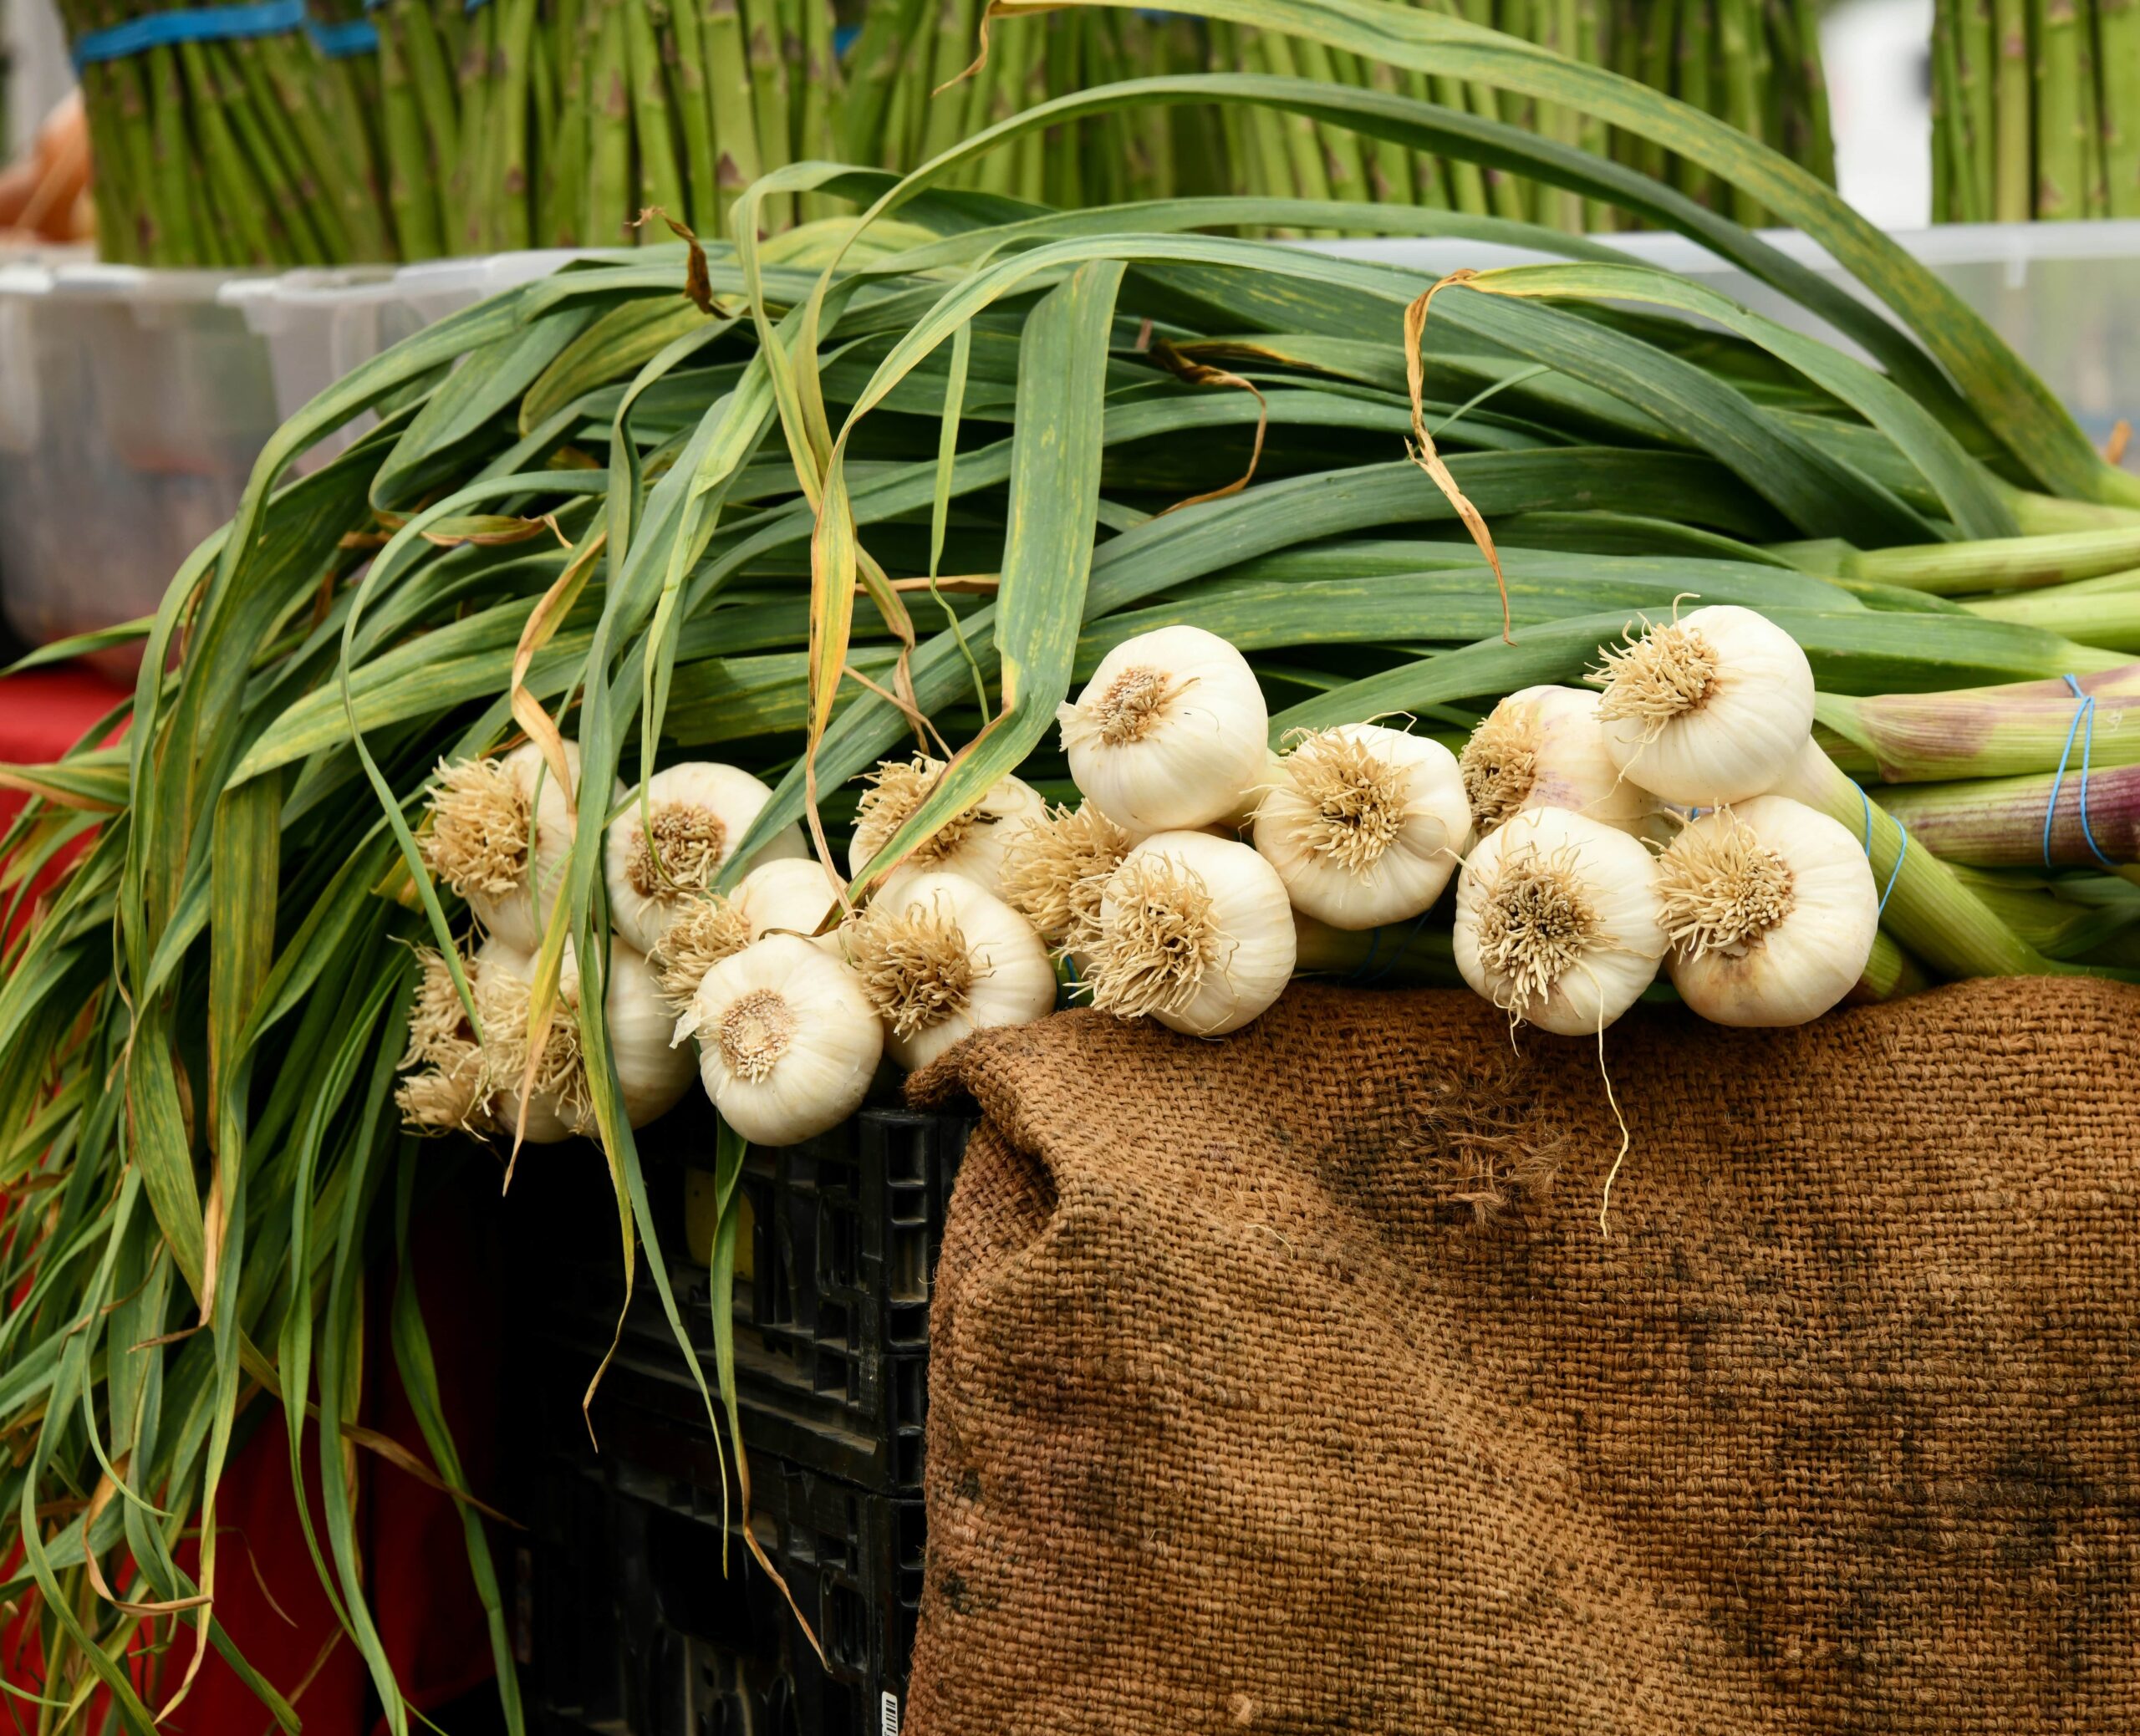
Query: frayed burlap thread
{"x":1241,"y":1419}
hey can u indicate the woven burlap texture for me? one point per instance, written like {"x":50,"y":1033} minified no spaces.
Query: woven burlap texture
{"x":1241,"y":1420}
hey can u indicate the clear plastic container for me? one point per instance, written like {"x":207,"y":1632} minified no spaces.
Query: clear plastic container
{"x":133,"y":403}
{"x":2066,"y":295}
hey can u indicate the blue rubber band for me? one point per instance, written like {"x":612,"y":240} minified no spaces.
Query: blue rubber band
{"x":1898,"y":874}
{"x":1865,"y":803}
{"x":2086,"y":713}
{"x":843,"y":36}
{"x":209,"y":23}
{"x":346,"y":41}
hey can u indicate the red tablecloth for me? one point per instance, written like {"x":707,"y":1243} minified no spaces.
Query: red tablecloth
{"x":424,"y":1601}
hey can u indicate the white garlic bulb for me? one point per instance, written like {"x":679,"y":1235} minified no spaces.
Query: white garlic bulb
{"x":1169,"y":733}
{"x":1365,"y":825}
{"x":788,"y":1041}
{"x":1558,"y":921}
{"x":794,"y":897}
{"x":486,"y":814}
{"x":663,"y":852}
{"x":940,"y":959}
{"x":444,"y":1086}
{"x":1544,"y":747}
{"x":971,"y":844}
{"x":1194,"y":931}
{"x":1055,"y":870}
{"x":651,"y":1075}
{"x":1712,"y":708}
{"x":1770,"y":910}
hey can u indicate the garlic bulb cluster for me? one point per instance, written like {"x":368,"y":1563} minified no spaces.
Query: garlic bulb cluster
{"x":973,"y":844}
{"x":1709,"y":709}
{"x":1558,"y":920}
{"x":444,"y":1086}
{"x":1546,"y":747}
{"x":788,"y":1041}
{"x":1771,"y":911}
{"x":1194,"y":931}
{"x":1170,"y":732}
{"x":501,"y":831}
{"x":939,"y":958}
{"x":673,"y":836}
{"x":1364,"y":825}
{"x":1056,"y":869}
{"x":559,"y":1101}
{"x":789,"y":895}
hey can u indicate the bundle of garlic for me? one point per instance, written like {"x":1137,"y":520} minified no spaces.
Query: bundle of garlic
{"x":1546,"y":747}
{"x":790,"y":895}
{"x":972,"y":843}
{"x":672,"y":837}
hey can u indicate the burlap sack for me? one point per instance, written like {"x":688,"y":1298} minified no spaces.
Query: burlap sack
{"x":1241,"y":1419}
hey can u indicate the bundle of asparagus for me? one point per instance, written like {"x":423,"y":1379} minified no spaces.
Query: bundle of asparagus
{"x":2036,"y":110}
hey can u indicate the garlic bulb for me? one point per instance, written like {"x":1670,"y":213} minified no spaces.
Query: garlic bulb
{"x":444,"y":1087}
{"x":788,"y":1041}
{"x":940,"y":959}
{"x":972,"y":844}
{"x":1711,"y":709}
{"x":651,"y":1075}
{"x":1365,"y":825}
{"x":1194,"y":931}
{"x":1055,"y":870}
{"x":484,"y":815}
{"x":661,"y":853}
{"x":1558,"y":921}
{"x":1544,"y":747}
{"x":1169,"y":733}
{"x":788,"y":895}
{"x":1771,"y":911}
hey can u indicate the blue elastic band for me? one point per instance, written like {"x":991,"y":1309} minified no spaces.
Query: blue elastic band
{"x":844,"y":37}
{"x":2085,"y":714}
{"x":1865,"y":803}
{"x":345,"y":42}
{"x":209,"y":23}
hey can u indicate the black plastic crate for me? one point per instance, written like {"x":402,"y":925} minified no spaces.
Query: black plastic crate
{"x":627,"y":1622}
{"x":831,"y":1302}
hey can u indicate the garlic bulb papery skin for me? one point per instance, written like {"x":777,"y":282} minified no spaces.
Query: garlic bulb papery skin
{"x":1544,"y":747}
{"x":1056,"y":869}
{"x":971,"y":844}
{"x":788,"y":1041}
{"x":483,"y":813}
{"x":1558,"y":920}
{"x":1709,"y":709}
{"x":1194,"y":931}
{"x":652,"y":1073}
{"x":793,"y":897}
{"x":663,"y":852}
{"x":1170,"y":732}
{"x":789,"y":895}
{"x":1365,"y":825}
{"x":1771,"y":911}
{"x":940,"y":959}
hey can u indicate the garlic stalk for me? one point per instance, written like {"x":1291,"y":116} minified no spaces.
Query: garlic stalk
{"x":788,"y":1041}
{"x":1558,"y":921}
{"x":1709,"y":709}
{"x":1194,"y":931}
{"x":1365,"y":825}
{"x":444,"y":1087}
{"x":789,"y":895}
{"x":1055,"y":870}
{"x":669,"y":842}
{"x":971,"y":844}
{"x":1544,"y":747}
{"x":1771,"y":911}
{"x":1171,"y":731}
{"x":940,"y":959}
{"x":651,"y":1076}
{"x":491,"y":820}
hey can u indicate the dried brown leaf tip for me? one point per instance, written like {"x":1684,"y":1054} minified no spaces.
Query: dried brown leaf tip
{"x":698,"y":279}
